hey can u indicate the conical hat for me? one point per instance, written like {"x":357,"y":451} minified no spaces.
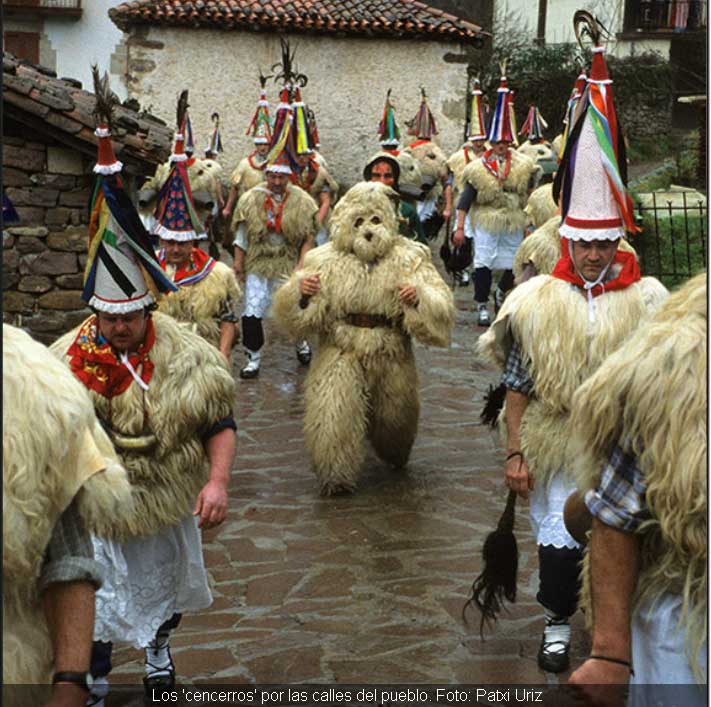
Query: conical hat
{"x":500,"y":129}
{"x":388,"y":129}
{"x":477,"y":124}
{"x":590,"y":181}
{"x":175,"y":214}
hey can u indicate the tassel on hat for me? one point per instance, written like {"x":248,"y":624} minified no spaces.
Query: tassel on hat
{"x":175,"y":214}
{"x":477,"y":124}
{"x":571,"y":110}
{"x":512,"y":119}
{"x":300,"y":125}
{"x":388,"y":129}
{"x":122,"y":273}
{"x":590,"y":184}
{"x":424,"y":123}
{"x":501,"y":126}
{"x":260,"y":127}
{"x":534,"y":125}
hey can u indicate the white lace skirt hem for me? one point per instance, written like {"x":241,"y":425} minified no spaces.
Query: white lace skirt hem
{"x":148,"y":580}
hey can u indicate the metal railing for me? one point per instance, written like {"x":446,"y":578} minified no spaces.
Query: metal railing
{"x":665,"y":15}
{"x":672,"y":244}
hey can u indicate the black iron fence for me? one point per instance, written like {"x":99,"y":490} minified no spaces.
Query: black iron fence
{"x":672,"y":244}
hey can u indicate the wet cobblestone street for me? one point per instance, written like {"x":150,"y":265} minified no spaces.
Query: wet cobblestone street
{"x":366,"y":588}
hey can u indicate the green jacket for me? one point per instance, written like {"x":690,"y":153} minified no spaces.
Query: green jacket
{"x":410,"y":225}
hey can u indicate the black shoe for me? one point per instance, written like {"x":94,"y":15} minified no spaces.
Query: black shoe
{"x":159,"y":678}
{"x":553,"y":655}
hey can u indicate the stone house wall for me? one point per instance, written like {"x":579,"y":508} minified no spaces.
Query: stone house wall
{"x":45,"y":253}
{"x":348,"y":80}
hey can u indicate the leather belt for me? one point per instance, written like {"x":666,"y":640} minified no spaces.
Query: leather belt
{"x":369,"y":321}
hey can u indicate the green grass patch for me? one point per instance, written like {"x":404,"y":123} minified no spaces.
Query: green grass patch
{"x":673,"y":250}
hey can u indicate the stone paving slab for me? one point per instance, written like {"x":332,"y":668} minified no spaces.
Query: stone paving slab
{"x":367,"y":588}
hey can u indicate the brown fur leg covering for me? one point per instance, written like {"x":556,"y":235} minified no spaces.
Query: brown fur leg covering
{"x":395,"y":406}
{"x":335,"y":422}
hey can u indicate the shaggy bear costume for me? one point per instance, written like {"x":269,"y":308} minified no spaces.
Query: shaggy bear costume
{"x":54,"y":451}
{"x":363,"y":383}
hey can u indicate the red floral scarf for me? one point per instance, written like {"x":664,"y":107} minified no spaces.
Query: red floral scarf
{"x":94,"y":362}
{"x":259,"y":167}
{"x":629,"y":271}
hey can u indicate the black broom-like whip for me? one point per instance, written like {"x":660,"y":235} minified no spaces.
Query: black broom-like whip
{"x":497,"y":581}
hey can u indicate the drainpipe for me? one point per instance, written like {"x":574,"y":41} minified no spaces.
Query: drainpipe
{"x":542,"y":12}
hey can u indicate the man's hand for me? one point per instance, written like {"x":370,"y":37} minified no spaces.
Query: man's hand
{"x":458,"y":238}
{"x":518,"y":478}
{"x":602,"y":683}
{"x":408,"y":295}
{"x":310,"y":285}
{"x":226,"y":213}
{"x":446,"y":214}
{"x":211,"y":505}
{"x":238,"y":265}
{"x":600,"y":672}
{"x":67,"y":695}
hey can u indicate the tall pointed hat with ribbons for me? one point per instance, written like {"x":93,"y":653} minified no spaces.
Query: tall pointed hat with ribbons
{"x":476,"y":129}
{"x":424,"y":125}
{"x":283,"y":147}
{"x":571,"y":111}
{"x":388,"y":129}
{"x":175,"y":213}
{"x":214,"y":147}
{"x":260,"y":127}
{"x":500,"y":126}
{"x":590,"y":184}
{"x":122,"y":273}
{"x":534,"y":125}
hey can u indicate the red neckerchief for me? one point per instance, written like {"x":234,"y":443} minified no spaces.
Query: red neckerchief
{"x":199,"y":267}
{"x":394,"y":153}
{"x":94,"y":363}
{"x":493,"y":164}
{"x":309,"y":172}
{"x":274,"y":217}
{"x":629,"y":272}
{"x":190,"y":161}
{"x":417,"y":143}
{"x":250,"y":159}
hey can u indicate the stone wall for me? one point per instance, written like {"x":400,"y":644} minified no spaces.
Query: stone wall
{"x":348,"y":80}
{"x":45,"y":253}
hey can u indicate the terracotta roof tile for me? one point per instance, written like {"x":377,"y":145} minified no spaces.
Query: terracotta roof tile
{"x":381,"y":18}
{"x":59,"y":107}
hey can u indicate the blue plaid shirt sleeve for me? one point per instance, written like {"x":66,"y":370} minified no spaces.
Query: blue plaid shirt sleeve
{"x":619,"y":501}
{"x":515,"y":376}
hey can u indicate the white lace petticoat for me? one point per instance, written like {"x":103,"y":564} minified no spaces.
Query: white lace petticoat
{"x":147,"y":580}
{"x":546,"y":511}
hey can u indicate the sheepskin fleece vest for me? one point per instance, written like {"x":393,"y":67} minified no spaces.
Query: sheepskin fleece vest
{"x":200,"y":304}
{"x":245,"y":176}
{"x":458,"y":161}
{"x":549,"y":320}
{"x":298,"y":225}
{"x":499,"y":207}
{"x":190,"y":391}
{"x":54,"y":450}
{"x":540,"y":206}
{"x":652,"y":393}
